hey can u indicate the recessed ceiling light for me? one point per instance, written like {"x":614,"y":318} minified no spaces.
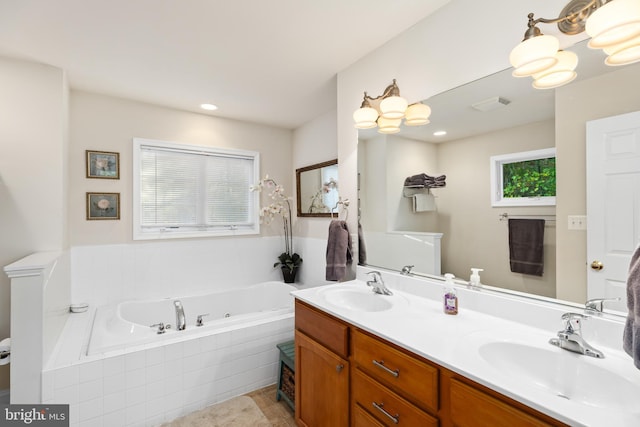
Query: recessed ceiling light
{"x":440,"y":133}
{"x":209,"y":107}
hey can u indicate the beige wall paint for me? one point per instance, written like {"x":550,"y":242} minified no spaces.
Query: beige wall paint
{"x":615,"y":93}
{"x":473,"y":235}
{"x":314,"y":142}
{"x":33,"y":126}
{"x":109,"y":124}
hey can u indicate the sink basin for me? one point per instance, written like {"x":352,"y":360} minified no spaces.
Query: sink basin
{"x":567,"y":375}
{"x":359,"y":299}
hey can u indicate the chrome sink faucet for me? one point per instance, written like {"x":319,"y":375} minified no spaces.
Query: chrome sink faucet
{"x":406,"y":270}
{"x":596,"y":305}
{"x":570,"y":338}
{"x":181,"y":323}
{"x":378,"y":284}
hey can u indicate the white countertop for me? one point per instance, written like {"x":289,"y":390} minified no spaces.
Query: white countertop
{"x":595,"y":392}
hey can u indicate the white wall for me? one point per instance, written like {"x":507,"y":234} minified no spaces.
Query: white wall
{"x":33,"y":145}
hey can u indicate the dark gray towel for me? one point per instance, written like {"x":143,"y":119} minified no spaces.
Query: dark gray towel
{"x":362,"y":249}
{"x":338,"y":250}
{"x":526,"y":242}
{"x":631,"y":336}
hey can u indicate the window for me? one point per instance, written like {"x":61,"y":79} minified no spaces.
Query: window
{"x":192,"y":191}
{"x":524,"y":179}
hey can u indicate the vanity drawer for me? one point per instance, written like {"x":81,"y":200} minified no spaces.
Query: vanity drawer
{"x":405,"y":374}
{"x":361,"y":418}
{"x":324,"y":329}
{"x":471,"y":407}
{"x":376,"y":398}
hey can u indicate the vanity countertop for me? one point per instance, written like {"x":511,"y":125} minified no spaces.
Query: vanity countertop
{"x":500,"y":342}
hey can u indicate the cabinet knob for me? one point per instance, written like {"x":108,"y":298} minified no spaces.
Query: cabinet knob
{"x":597,"y":265}
{"x":339,"y":368}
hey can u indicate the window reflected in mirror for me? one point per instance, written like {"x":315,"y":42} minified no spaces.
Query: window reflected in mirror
{"x":317,"y":189}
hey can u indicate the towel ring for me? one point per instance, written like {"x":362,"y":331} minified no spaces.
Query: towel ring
{"x":345,"y":205}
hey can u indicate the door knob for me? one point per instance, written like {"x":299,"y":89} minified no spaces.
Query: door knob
{"x":597,"y":265}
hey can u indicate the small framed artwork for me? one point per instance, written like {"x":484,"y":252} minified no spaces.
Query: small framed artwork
{"x":103,"y":206}
{"x":103,"y":164}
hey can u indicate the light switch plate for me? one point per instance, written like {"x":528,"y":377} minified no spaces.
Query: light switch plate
{"x":577,"y":222}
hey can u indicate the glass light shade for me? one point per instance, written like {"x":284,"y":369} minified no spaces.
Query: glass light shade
{"x":624,"y":53}
{"x":388,"y":125}
{"x":558,"y":75}
{"x":393,"y":107}
{"x":534,"y":55}
{"x":365,"y":117}
{"x":613,"y":23}
{"x":417,"y":114}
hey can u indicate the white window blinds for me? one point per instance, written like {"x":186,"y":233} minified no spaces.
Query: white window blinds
{"x":194,"y":190}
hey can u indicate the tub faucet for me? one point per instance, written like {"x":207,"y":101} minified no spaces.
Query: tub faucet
{"x":570,"y":337}
{"x":181,"y":324}
{"x":378,"y":284}
{"x":162,"y":328}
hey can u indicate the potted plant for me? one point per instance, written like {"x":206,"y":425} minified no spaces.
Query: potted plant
{"x":288,"y":261}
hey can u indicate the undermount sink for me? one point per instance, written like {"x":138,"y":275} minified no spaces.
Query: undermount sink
{"x":359,"y":299}
{"x":567,"y":375}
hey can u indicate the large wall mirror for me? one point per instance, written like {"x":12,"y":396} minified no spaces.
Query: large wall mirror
{"x":493,"y":116}
{"x":317,"y":189}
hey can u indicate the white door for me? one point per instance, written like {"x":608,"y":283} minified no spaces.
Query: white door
{"x":613,"y":204}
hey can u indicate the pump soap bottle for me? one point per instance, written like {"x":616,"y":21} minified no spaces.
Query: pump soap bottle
{"x":450,"y":297}
{"x":474,"y":279}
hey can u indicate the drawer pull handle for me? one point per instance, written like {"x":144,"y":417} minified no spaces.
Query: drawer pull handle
{"x":380,"y":364}
{"x":379,"y":406}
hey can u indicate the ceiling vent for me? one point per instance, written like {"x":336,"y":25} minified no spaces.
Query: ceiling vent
{"x":490,"y":104}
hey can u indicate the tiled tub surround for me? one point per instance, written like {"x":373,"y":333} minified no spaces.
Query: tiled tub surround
{"x":417,"y":323}
{"x":146,"y":385}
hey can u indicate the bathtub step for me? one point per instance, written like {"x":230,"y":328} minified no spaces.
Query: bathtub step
{"x":286,"y":377}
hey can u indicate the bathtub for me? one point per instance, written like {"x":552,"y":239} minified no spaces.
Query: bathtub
{"x":113,"y":369}
{"x":127,"y":326}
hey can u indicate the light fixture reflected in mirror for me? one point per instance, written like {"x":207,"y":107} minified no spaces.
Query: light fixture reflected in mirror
{"x":387,"y":111}
{"x":613,"y":25}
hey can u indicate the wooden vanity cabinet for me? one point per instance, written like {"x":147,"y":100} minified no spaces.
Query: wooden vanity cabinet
{"x":322,"y":369}
{"x":346,"y":376}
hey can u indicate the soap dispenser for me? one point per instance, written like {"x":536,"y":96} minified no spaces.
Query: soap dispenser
{"x":450,"y":297}
{"x":474,"y":279}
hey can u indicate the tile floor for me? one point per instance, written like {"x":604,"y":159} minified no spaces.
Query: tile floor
{"x":278,"y":413}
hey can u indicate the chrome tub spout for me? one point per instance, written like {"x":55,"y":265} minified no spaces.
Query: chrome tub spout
{"x":181,"y":323}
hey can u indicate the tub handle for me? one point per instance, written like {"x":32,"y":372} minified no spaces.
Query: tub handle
{"x":161,"y":327}
{"x":199,"y":321}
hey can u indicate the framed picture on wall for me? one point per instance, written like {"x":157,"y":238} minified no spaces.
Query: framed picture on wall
{"x":103,"y":206}
{"x":103,"y":164}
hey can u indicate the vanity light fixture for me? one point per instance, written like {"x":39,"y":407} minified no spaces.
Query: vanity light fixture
{"x":613,"y":25}
{"x":387,"y":111}
{"x":440,"y":133}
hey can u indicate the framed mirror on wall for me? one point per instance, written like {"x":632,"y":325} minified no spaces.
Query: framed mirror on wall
{"x":317,"y":189}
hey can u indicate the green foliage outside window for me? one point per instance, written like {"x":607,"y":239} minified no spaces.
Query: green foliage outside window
{"x":530,"y":178}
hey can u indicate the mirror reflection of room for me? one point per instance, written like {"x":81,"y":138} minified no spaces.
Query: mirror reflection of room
{"x":473,"y":233}
{"x":317,"y":187}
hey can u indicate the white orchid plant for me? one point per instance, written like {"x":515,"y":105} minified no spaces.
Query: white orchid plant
{"x":280,"y":206}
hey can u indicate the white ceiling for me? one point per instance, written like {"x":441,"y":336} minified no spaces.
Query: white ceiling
{"x":271,"y":62}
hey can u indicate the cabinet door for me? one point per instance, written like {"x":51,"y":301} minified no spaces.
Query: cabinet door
{"x":322,"y":385}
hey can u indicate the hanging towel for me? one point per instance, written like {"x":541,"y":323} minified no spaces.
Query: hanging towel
{"x":631,"y":335}
{"x":338,"y":250}
{"x":362,"y":249}
{"x":526,"y":241}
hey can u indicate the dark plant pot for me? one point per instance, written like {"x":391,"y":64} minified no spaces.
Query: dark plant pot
{"x":289,"y":275}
